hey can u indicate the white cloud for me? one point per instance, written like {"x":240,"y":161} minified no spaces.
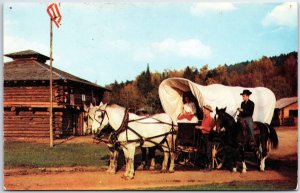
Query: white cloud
{"x":191,"y":48}
{"x":282,"y":15}
{"x":201,"y":9}
{"x":15,"y":44}
{"x":169,"y":47}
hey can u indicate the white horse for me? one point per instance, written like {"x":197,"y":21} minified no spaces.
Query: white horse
{"x":89,"y":111}
{"x":133,"y":131}
{"x":113,"y":151}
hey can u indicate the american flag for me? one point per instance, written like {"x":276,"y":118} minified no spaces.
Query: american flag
{"x":53,"y":10}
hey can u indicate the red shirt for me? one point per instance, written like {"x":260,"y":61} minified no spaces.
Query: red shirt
{"x":207,"y":124}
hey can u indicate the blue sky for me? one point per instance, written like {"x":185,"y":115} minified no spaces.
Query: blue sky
{"x":104,"y":42}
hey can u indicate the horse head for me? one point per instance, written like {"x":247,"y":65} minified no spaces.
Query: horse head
{"x":99,"y":117}
{"x":89,"y":112}
{"x":220,"y":118}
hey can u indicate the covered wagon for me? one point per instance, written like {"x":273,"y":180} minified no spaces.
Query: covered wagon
{"x":215,"y":95}
{"x":171,"y":92}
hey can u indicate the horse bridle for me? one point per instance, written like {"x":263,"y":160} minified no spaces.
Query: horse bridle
{"x":102,"y":117}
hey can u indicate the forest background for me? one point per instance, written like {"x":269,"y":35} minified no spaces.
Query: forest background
{"x":278,"y":73}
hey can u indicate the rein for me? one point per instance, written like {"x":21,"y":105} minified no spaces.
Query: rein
{"x":234,"y":114}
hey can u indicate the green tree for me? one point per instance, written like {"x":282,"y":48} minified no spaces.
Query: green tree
{"x":262,"y":71}
{"x":188,"y":73}
{"x":144,"y":83}
{"x":291,"y":73}
{"x":203,"y":74}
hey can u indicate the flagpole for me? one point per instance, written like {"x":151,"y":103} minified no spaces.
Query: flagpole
{"x":50,"y":109}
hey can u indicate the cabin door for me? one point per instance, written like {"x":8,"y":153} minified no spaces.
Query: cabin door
{"x":79,"y":130}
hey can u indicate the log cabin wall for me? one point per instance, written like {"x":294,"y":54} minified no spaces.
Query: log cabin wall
{"x":26,"y":112}
{"x":30,"y":94}
{"x":23,"y":122}
{"x":79,"y":94}
{"x":26,"y":108}
{"x":26,"y":98}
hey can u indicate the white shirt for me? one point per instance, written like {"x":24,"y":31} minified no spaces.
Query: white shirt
{"x":189,"y":108}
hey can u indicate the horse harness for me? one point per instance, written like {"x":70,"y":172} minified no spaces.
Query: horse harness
{"x":112,"y":141}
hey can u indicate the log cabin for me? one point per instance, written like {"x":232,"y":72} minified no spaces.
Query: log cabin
{"x":27,"y":95}
{"x":287,"y":111}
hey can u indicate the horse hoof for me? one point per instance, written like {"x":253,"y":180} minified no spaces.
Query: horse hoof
{"x":244,"y":171}
{"x":171,"y":171}
{"x":152,"y":168}
{"x":234,"y":170}
{"x":129,"y":178}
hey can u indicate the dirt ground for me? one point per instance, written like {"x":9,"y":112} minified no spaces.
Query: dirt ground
{"x":282,"y":165}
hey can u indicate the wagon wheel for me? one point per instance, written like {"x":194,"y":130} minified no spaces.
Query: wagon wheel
{"x":218,"y":156}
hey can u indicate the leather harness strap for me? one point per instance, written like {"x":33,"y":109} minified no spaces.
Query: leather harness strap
{"x":124,"y":128}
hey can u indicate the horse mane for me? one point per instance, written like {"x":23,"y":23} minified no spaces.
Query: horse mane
{"x":231,"y":118}
{"x":134,"y":116}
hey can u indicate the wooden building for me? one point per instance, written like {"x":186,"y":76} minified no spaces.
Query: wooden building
{"x":27,"y":92}
{"x":286,"y":111}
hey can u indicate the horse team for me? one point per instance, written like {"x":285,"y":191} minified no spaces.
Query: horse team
{"x":130,"y":131}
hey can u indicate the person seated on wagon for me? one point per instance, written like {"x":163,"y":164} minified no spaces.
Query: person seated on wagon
{"x":206,"y":126}
{"x":189,"y":110}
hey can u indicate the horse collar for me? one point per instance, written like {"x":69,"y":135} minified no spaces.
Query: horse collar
{"x":124,"y":123}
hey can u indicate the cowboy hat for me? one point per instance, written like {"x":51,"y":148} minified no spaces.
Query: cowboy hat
{"x":246,"y":92}
{"x":208,"y":107}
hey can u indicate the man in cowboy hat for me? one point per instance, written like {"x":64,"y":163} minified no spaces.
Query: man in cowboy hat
{"x":206,"y":126}
{"x":246,"y":111}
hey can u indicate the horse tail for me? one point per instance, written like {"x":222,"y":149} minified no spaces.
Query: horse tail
{"x":272,"y":136}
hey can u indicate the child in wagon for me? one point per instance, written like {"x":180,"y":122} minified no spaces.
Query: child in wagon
{"x":188,"y":112}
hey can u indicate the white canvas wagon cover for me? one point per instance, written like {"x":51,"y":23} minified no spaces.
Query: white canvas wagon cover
{"x":215,"y":95}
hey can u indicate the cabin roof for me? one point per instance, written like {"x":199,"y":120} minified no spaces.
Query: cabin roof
{"x":30,"y":68}
{"x":28,"y":54}
{"x":284,"y":102}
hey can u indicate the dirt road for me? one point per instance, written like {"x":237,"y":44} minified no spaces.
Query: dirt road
{"x":280,"y":166}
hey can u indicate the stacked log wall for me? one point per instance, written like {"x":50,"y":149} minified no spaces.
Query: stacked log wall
{"x":35,"y":123}
{"x":33,"y":96}
{"x":26,"y":108}
{"x":30,"y":123}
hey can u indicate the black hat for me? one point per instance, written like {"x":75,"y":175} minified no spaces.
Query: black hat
{"x":246,"y":92}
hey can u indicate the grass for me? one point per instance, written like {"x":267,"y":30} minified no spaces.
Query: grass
{"x":250,"y":185}
{"x":26,"y":154}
